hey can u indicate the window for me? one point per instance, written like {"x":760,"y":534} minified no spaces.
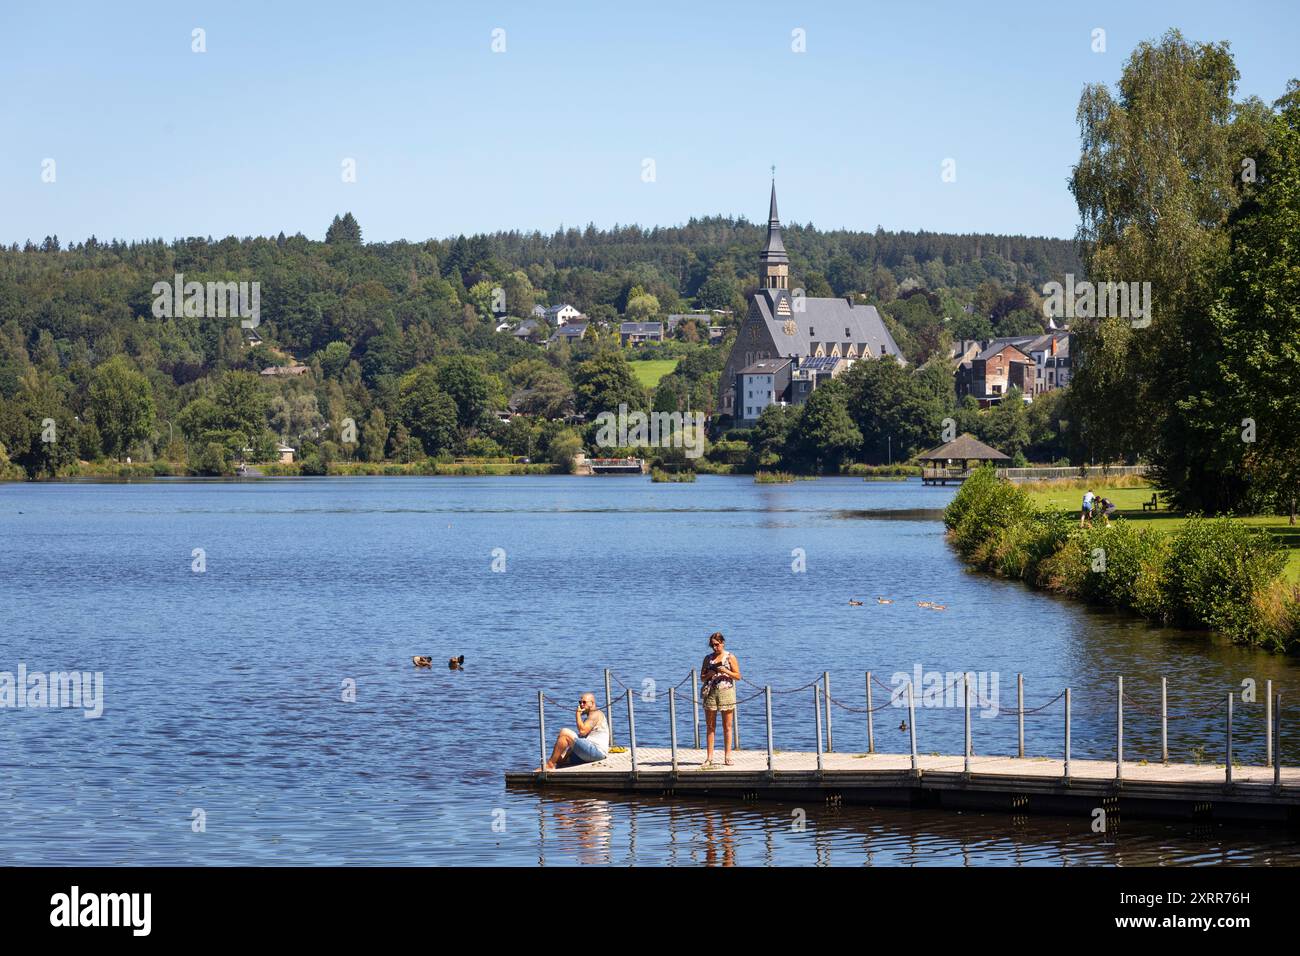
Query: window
{"x":811,"y":331}
{"x":846,"y":332}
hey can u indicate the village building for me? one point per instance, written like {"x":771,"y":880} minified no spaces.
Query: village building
{"x":558,"y":315}
{"x":639,"y":333}
{"x":785,"y":324}
{"x":568,"y":333}
{"x":677,"y":319}
{"x":1048,"y":354}
{"x":273,"y":371}
{"x":528,"y":329}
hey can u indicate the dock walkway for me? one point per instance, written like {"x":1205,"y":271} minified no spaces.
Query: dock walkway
{"x":1011,"y":784}
{"x":1222,"y":791}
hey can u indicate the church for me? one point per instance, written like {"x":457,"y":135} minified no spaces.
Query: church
{"x":789,"y":342}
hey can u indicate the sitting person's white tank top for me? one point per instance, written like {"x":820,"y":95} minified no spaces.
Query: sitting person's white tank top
{"x":600,"y":736}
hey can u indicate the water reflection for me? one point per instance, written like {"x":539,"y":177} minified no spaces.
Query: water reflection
{"x":683,"y":831}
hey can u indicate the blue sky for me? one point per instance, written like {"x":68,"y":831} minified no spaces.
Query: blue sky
{"x":151,"y":139}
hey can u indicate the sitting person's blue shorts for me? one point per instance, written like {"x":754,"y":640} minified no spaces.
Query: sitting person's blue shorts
{"x":584,"y":751}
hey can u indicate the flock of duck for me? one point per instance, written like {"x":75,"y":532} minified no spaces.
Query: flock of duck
{"x":880,"y":600}
{"x":454,"y":663}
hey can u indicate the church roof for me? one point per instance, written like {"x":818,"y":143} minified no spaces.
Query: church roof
{"x":797,"y":327}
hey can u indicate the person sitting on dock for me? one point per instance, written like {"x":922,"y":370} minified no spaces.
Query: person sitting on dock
{"x":587,"y":744}
{"x":719,"y":673}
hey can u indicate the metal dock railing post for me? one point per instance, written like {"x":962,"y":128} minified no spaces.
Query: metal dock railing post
{"x":871,"y":730}
{"x":1277,"y":751}
{"x":1268,"y":722}
{"x":1227,"y":763}
{"x":1020,"y":711}
{"x":631,"y":731}
{"x":817,"y":710}
{"x":965,"y":684}
{"x":911,"y":726}
{"x":1119,"y":728}
{"x":767,"y":697}
{"x":609,"y":708}
{"x":1067,"y":735}
{"x":826,"y":683}
{"x":1164,"y":721}
{"x":541,"y":729}
{"x":695,"y":706}
{"x":672,"y":723}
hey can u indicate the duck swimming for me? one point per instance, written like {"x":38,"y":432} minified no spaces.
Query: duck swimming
{"x":853,"y":603}
{"x":422,"y":661}
{"x":457,"y":663}
{"x":881,"y":600}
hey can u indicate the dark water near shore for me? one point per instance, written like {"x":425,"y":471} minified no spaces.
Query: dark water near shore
{"x":224,"y":690}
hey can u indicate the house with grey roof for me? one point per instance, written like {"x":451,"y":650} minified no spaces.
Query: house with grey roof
{"x":1049,"y":352}
{"x":572,"y":332}
{"x":760,"y":385}
{"x":677,"y":319}
{"x":638,"y":333}
{"x":786,"y":324}
{"x":528,"y":329}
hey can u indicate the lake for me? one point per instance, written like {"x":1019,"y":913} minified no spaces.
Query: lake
{"x":260,"y":705}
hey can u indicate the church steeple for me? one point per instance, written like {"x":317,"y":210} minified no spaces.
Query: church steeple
{"x":773,"y":263}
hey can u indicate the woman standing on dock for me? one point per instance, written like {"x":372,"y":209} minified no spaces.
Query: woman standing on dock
{"x":719,"y":673}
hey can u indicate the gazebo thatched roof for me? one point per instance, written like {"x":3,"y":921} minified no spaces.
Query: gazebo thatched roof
{"x":965,"y":447}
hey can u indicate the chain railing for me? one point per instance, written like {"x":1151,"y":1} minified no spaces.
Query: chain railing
{"x":905,"y":695}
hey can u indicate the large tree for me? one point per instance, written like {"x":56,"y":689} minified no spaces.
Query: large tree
{"x":1256,"y":327}
{"x":1157,"y":178}
{"x":427,"y":411}
{"x":605,"y":382}
{"x":121,"y":405}
{"x":898,"y":409}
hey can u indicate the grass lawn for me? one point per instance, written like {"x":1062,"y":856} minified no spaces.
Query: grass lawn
{"x":650,"y":371}
{"x":1129,"y":502}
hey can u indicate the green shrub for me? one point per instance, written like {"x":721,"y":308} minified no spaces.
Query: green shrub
{"x":313,"y":465}
{"x":1217,"y":569}
{"x":984,"y":507}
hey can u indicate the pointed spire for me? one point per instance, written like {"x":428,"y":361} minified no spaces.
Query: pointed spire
{"x":774,"y":250}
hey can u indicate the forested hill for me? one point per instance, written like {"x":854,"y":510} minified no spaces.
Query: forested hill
{"x":315,"y":292}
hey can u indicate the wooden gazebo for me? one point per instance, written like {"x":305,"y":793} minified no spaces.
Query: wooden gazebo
{"x":951,"y":461}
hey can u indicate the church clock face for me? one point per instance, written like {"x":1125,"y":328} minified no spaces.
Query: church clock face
{"x":790,"y":328}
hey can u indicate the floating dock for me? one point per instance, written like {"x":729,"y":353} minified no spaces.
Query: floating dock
{"x":1018,"y":785}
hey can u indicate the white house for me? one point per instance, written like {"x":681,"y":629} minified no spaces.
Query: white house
{"x":558,"y":315}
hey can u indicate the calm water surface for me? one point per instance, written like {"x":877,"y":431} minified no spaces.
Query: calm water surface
{"x":224,"y":690}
